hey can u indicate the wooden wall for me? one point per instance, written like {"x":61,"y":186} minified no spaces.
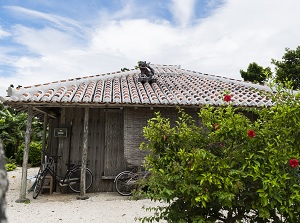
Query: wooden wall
{"x":114,"y":139}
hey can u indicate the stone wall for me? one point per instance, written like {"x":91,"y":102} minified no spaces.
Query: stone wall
{"x":134,"y":121}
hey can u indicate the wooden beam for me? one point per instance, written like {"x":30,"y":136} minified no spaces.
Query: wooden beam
{"x":83,"y":195}
{"x":45,"y":112}
{"x":22,"y":197}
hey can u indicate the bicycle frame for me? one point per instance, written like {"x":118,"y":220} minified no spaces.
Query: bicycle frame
{"x":62,"y":180}
{"x":72,"y":177}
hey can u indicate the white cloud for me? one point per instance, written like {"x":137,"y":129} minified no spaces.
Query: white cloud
{"x":2,"y":90}
{"x":134,"y":37}
{"x":183,"y":11}
{"x":60,"y":21}
{"x":3,"y":33}
{"x":47,"y":41}
{"x":236,"y":34}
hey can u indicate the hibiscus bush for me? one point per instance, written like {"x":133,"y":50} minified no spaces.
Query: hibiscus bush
{"x":230,"y":169}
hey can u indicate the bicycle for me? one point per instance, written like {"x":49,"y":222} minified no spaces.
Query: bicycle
{"x":128,"y":181}
{"x":71,"y":178}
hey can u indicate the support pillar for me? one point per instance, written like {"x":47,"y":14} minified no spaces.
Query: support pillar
{"x":22,"y":197}
{"x":45,"y":124}
{"x":83,"y":195}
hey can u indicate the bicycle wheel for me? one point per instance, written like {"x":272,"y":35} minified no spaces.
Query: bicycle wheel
{"x":125,"y":183}
{"x":36,"y":178}
{"x":38,"y":184}
{"x":74,"y":179}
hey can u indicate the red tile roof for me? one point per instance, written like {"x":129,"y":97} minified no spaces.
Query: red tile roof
{"x":173,"y":86}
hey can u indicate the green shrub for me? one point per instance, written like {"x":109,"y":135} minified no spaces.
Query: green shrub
{"x":228,"y":170}
{"x":10,"y":166}
{"x":34,"y":158}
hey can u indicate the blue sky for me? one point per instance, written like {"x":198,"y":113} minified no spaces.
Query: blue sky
{"x":49,"y":40}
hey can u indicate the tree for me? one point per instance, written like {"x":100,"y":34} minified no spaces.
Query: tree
{"x":256,"y":73}
{"x":289,"y":68}
{"x":230,"y":169}
{"x":12,"y":129}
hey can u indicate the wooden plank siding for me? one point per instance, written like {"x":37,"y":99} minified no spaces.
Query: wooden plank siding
{"x":114,"y":139}
{"x":114,"y":161}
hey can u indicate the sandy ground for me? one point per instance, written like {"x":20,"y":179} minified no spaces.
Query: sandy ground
{"x":99,"y":208}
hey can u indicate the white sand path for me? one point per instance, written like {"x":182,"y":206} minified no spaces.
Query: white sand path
{"x":99,"y":208}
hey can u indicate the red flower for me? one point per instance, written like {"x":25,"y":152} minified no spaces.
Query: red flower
{"x":251,"y":133}
{"x":216,"y":126}
{"x":227,"y":98}
{"x":294,"y":163}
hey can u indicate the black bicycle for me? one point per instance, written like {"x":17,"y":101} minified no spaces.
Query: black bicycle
{"x":71,"y":178}
{"x":128,"y":181}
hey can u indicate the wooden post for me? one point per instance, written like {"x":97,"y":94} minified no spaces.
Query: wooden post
{"x":44,"y":137}
{"x":83,"y":195}
{"x":22,"y":197}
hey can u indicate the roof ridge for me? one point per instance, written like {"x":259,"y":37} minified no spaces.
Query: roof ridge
{"x":230,"y":80}
{"x":166,"y":65}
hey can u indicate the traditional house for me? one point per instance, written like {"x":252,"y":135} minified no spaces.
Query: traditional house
{"x":104,"y":115}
